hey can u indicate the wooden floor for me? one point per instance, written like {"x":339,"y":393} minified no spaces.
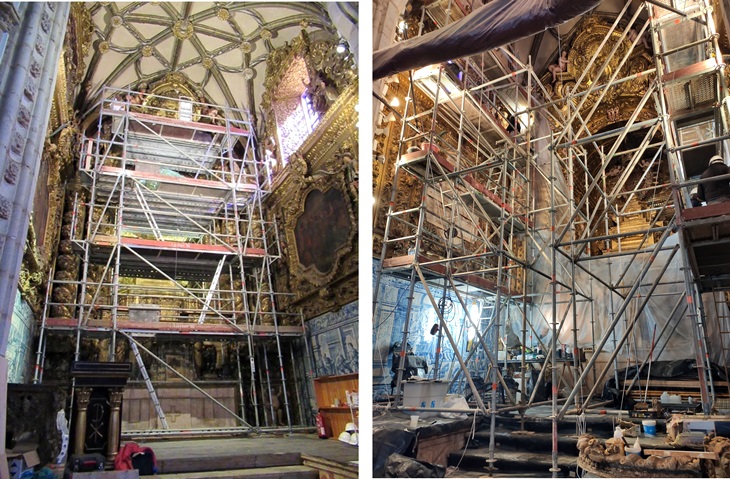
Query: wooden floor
{"x":256,"y":451}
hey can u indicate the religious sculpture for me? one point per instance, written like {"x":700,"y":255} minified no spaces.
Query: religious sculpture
{"x":560,"y":66}
{"x":632,"y":37}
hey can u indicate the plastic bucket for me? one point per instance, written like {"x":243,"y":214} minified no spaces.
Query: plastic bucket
{"x":649,"y":427}
{"x":425,"y":394}
{"x":631,"y":450}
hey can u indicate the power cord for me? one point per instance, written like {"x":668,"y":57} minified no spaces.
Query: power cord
{"x":466,"y":446}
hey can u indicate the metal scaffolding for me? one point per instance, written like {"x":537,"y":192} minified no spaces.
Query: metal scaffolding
{"x":168,"y":240}
{"x":524,"y":207}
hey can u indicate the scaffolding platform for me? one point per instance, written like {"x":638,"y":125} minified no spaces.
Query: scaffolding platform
{"x":171,"y":127}
{"x":167,"y":238}
{"x":144,"y":258}
{"x":707,"y":233}
{"x":165,"y":328}
{"x":417,"y":164}
{"x":434,"y":270}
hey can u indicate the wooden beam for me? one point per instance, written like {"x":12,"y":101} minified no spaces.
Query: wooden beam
{"x":673,"y":453}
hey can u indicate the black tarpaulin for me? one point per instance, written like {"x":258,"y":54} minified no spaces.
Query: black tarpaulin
{"x":498,"y":23}
{"x":403,"y":466}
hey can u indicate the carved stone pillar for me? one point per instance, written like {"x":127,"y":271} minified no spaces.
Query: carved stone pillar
{"x":115,"y":401}
{"x":82,"y":403}
{"x":27,"y":75}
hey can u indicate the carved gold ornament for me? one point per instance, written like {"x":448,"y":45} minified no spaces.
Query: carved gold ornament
{"x":183,"y":29}
{"x":617,"y":104}
{"x":325,"y":166}
{"x":246,"y":47}
{"x":223,"y":14}
{"x":103,"y":47}
{"x":162,"y":96}
{"x":76,"y":46}
{"x":117,"y":21}
{"x":207,"y":63}
{"x":266,"y":34}
{"x":147,"y":51}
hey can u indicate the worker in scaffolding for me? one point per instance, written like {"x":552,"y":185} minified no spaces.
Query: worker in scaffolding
{"x":717,"y":191}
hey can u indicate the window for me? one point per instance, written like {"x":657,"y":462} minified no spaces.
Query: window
{"x":300,"y":122}
{"x":297,"y":104}
{"x":310,"y":114}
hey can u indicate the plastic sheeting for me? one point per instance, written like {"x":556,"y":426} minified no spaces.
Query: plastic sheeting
{"x":403,"y":466}
{"x":593,"y":317}
{"x":387,"y":442}
{"x":495,"y":24}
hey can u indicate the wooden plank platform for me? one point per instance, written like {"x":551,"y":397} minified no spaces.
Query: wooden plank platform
{"x":429,"y":265}
{"x":195,"y":186}
{"x":174,"y":122}
{"x":108,"y":240}
{"x":669,"y":453}
{"x":177,"y":457}
{"x":280,"y":472}
{"x":414,"y":160}
{"x":173,"y":327}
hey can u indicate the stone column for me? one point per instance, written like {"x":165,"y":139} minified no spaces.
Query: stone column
{"x":112,"y":449}
{"x":82,"y":403}
{"x":27,"y":79}
{"x":27,"y":72}
{"x":8,"y":23}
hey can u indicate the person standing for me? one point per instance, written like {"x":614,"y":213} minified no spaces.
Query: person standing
{"x":717,"y":191}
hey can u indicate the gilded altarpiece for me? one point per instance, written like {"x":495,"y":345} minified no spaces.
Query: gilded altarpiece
{"x":56,"y":161}
{"x":409,"y":189}
{"x":315,"y":195}
{"x":608,"y":109}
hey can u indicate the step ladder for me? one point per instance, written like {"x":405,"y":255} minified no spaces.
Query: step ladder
{"x":148,"y":383}
{"x":211,"y":290}
{"x":722,"y":315}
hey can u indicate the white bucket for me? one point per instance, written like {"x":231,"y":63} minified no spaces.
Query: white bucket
{"x":632,"y":450}
{"x":649,"y":427}
{"x":425,"y":394}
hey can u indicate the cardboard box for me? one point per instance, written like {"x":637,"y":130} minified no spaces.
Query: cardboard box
{"x":20,"y":462}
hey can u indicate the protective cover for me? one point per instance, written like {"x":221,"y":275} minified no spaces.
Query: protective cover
{"x":387,"y":442}
{"x":403,"y":466}
{"x":495,"y":24}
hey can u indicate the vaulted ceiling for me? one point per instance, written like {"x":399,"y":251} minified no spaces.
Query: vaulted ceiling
{"x":221,"y":48}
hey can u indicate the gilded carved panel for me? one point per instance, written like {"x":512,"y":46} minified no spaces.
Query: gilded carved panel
{"x":306,"y":67}
{"x":315,"y":204}
{"x":619,"y":101}
{"x":57,"y":157}
{"x":610,"y":108}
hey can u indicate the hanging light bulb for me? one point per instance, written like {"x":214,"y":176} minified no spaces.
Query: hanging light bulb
{"x":341,"y":48}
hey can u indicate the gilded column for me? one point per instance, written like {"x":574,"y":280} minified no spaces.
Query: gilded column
{"x":115,"y":401}
{"x":82,"y":404}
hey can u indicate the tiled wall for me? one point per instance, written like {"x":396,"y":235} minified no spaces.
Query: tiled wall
{"x":334,"y":340}
{"x":390,"y":316}
{"x":20,"y":343}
